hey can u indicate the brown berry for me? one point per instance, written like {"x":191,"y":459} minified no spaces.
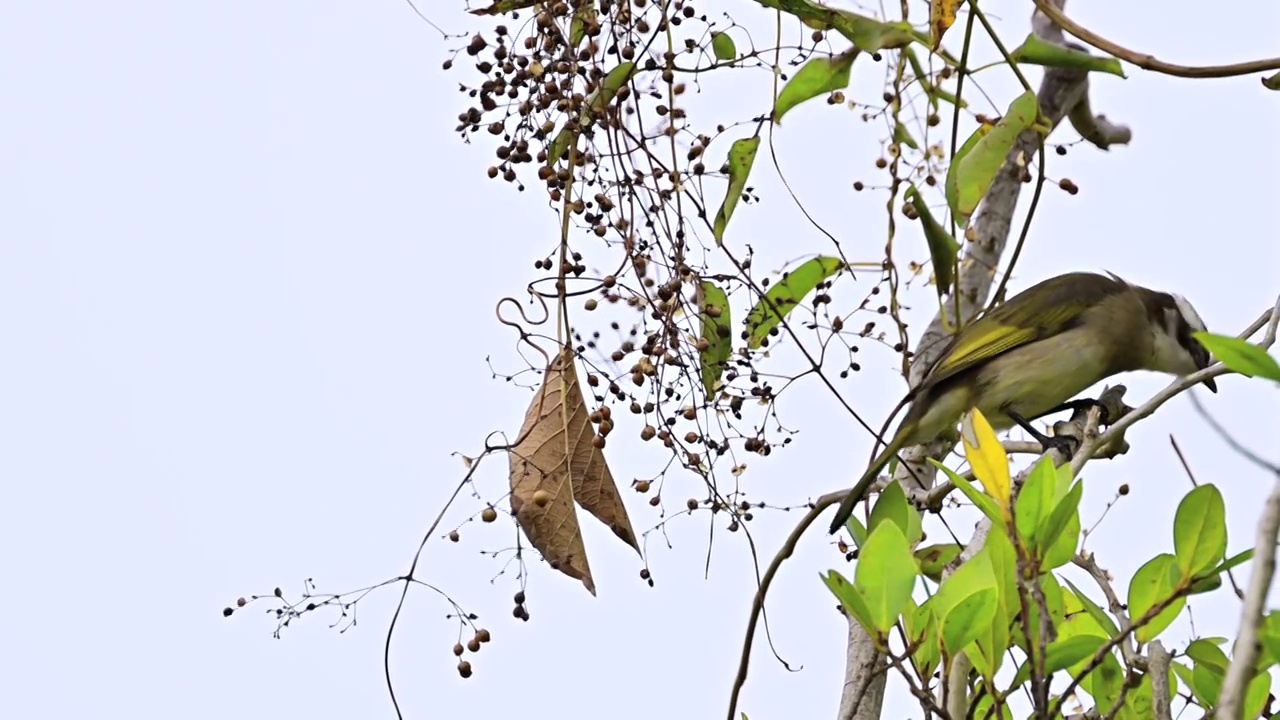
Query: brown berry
{"x":541,"y":498}
{"x":453,"y":536}
{"x":241,"y":602}
{"x":483,"y":635}
{"x":642,"y":486}
{"x":488,"y":515}
{"x":464,"y":669}
{"x":473,"y":645}
{"x":457,"y":649}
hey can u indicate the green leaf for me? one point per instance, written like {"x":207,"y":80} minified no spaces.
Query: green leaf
{"x":583,"y":13}
{"x":855,"y":528}
{"x":1200,"y":531}
{"x":976,"y":496}
{"x":968,"y":619}
{"x":1035,"y":500}
{"x":820,"y":76}
{"x":870,"y":35}
{"x":1240,"y":355}
{"x":1099,"y":616}
{"x":891,"y":505}
{"x":1062,"y":654}
{"x":942,"y":247}
{"x":1154,"y":583}
{"x":502,"y":7}
{"x":1272,"y":82}
{"x":1208,"y":682}
{"x":885,"y":575}
{"x":1205,"y":652}
{"x":1041,"y":52}
{"x":723,"y":47}
{"x":609,"y":88}
{"x":1233,"y":561}
{"x":1187,"y":677}
{"x":1256,"y":695}
{"x":850,"y":599}
{"x":977,"y":169}
{"x":713,"y":307}
{"x":784,"y":295}
{"x":923,"y":628}
{"x":934,"y":558}
{"x":741,"y":156}
{"x":902,"y":136}
{"x":951,"y":183}
{"x":560,"y":145}
{"x":1064,"y":548}
{"x":1057,"y":522}
{"x":1269,"y":635}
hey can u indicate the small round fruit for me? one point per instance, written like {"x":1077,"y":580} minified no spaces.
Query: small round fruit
{"x":488,"y":515}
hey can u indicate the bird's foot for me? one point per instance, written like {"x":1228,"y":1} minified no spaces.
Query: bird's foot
{"x":1085,"y":404}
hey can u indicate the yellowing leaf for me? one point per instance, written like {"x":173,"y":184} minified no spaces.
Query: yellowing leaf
{"x":987,"y":458}
{"x":942,"y":14}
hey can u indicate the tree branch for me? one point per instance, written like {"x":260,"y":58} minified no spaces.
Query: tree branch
{"x":1245,"y":653}
{"x":1149,"y":62}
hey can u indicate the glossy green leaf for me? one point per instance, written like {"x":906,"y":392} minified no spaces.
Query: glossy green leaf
{"x":1064,"y":548}
{"x":977,"y":169}
{"x":818,"y":77}
{"x":856,"y":530}
{"x":1200,"y":531}
{"x":1106,"y":681}
{"x":1154,"y":583}
{"x":1035,"y":500}
{"x":977,"y":497}
{"x":1058,"y":523}
{"x":783,"y":296}
{"x":723,"y":46}
{"x":560,"y":145}
{"x":885,"y":575}
{"x":1061,"y":655}
{"x":582,"y":14}
{"x":934,"y":558}
{"x":892,"y":506}
{"x":951,"y":183}
{"x":714,"y":315}
{"x":1205,"y":652}
{"x":1257,"y":695}
{"x":1208,"y":682}
{"x":742,"y":155}
{"x":943,"y":248}
{"x":850,"y":599}
{"x":1099,"y":616}
{"x":1241,"y":356}
{"x":1036,"y":51}
{"x":1187,"y":678}
{"x":923,"y":628}
{"x":967,"y":619}
{"x":1233,"y":561}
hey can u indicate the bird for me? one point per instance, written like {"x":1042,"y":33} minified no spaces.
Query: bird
{"x":1028,"y":357}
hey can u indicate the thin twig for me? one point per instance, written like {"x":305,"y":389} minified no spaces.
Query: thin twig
{"x":1150,"y":62}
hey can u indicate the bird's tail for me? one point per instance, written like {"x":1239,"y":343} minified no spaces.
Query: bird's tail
{"x":860,"y":489}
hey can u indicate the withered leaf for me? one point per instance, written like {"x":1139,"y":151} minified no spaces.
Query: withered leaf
{"x":555,"y":455}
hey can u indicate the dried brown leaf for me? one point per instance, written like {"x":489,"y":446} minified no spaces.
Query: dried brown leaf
{"x":555,"y":454}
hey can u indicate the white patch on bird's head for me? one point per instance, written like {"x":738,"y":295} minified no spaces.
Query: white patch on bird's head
{"x":1175,"y":350}
{"x":1189,"y":313}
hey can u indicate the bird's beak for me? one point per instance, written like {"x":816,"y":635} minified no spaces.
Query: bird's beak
{"x":1203,"y":360}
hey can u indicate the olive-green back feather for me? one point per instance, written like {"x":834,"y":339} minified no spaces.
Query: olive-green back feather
{"x":1040,"y":311}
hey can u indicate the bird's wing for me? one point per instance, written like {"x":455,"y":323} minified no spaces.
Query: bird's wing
{"x":1015,"y":323}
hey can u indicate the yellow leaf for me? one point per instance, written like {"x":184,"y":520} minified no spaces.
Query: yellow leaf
{"x":942,"y":13}
{"x":987,"y":457}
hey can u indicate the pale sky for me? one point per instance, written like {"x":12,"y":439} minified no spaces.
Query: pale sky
{"x":247,"y":279}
